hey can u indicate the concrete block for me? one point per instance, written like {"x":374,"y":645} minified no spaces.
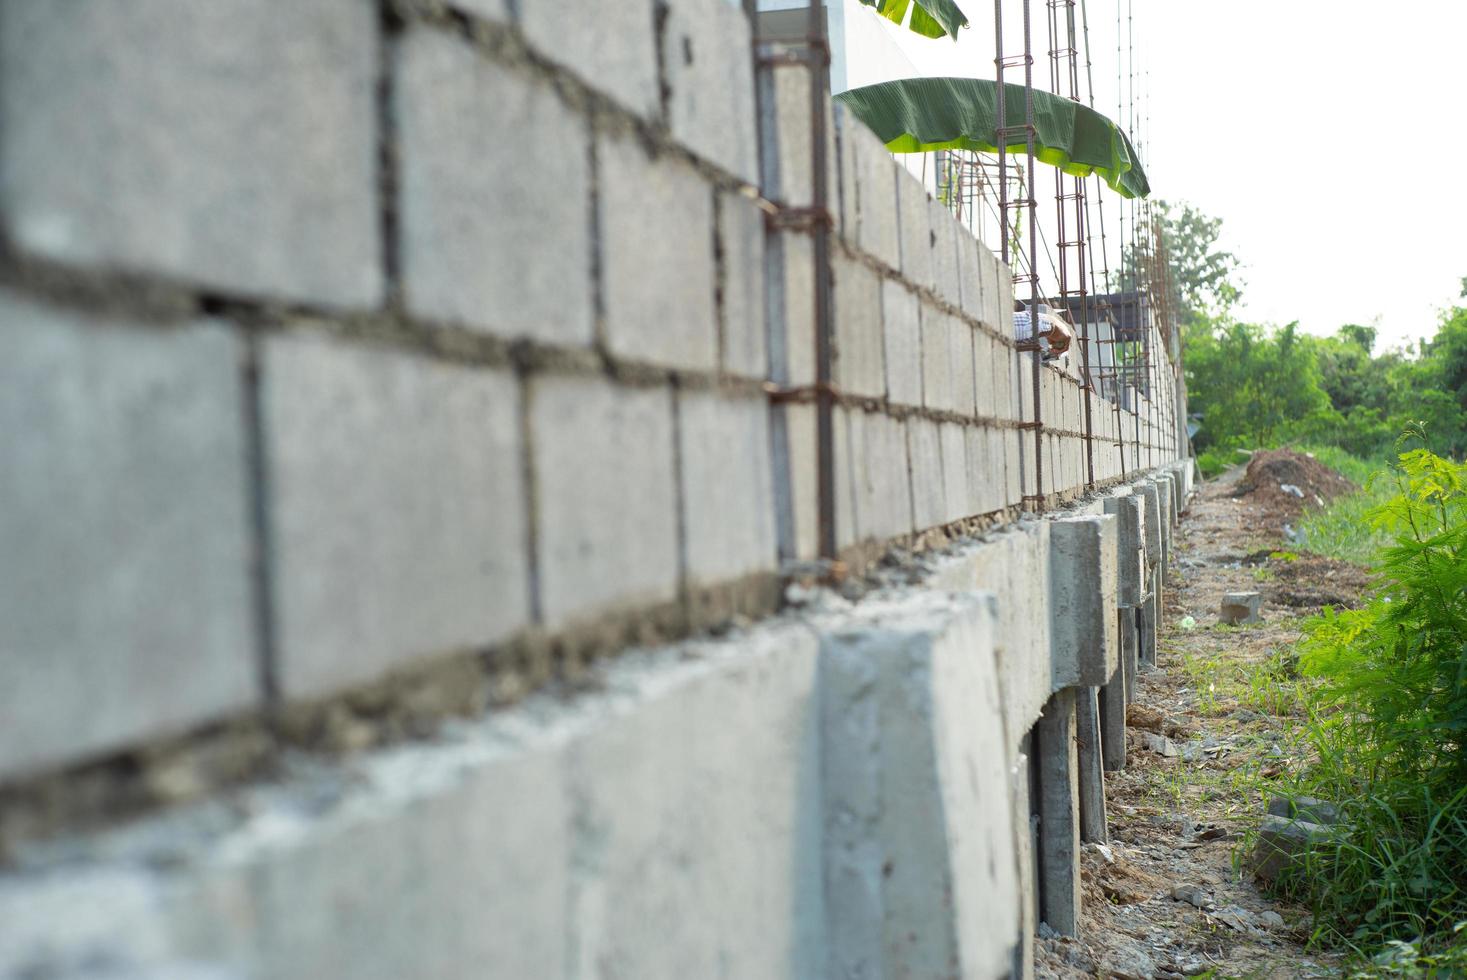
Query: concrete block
{"x":674,"y":813}
{"x":1130,"y":515}
{"x":1059,"y":815}
{"x":1151,"y":498}
{"x":1082,"y":599}
{"x":954,"y":470}
{"x":1016,"y":465}
{"x":1022,"y":642}
{"x":728,"y":491}
{"x":970,"y":273}
{"x":607,"y":508}
{"x":1240,"y":608}
{"x":985,"y":476}
{"x":937,"y":371}
{"x":1130,"y":621}
{"x":1282,"y":846}
{"x":882,"y":501}
{"x":792,"y":441}
{"x":791,"y":307}
{"x":524,"y":271}
{"x":786,"y":126}
{"x":877,"y":231}
{"x":1091,"y":770}
{"x":159,"y":180}
{"x":745,"y":319}
{"x":961,"y":366}
{"x":945,"y":252}
{"x":920,"y":870}
{"x":710,"y":80}
{"x":903,"y":343}
{"x":994,"y":274}
{"x":986,"y":355}
{"x":1146,"y":630}
{"x":374,"y":563}
{"x":611,"y":49}
{"x":859,"y":364}
{"x":125,"y":604}
{"x":924,"y":452}
{"x":916,"y":231}
{"x":657,"y":257}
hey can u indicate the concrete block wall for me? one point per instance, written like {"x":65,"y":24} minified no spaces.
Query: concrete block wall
{"x":452,"y":329}
{"x":352,"y":339}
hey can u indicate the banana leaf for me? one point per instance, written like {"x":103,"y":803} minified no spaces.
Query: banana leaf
{"x":912,"y":115}
{"x":930,"y":18}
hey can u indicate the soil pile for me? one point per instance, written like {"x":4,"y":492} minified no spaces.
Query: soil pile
{"x":1285,"y":483}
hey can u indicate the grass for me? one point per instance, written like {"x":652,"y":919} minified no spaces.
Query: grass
{"x":1342,"y":529}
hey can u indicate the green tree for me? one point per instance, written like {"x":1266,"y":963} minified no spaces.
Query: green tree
{"x":1205,"y":275}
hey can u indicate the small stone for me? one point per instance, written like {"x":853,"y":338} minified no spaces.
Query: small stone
{"x":1240,"y":608}
{"x":1159,"y":744}
{"x":1305,"y":808}
{"x":1280,"y":842}
{"x":1271,"y":919}
{"x":1194,"y":895}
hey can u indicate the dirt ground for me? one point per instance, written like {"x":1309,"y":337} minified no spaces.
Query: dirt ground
{"x":1170,"y":894}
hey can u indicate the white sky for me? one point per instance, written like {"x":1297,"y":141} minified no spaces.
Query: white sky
{"x":1329,"y":137}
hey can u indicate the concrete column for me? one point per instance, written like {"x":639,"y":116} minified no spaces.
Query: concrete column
{"x":1059,"y":815}
{"x":1113,"y":700}
{"x":1146,"y":623}
{"x":1025,"y":856}
{"x":1091,"y":774}
{"x":1130,"y":644}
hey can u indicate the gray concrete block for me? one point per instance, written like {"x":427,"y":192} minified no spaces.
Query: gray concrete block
{"x":953,"y":438}
{"x":728,"y":491}
{"x":710,"y":80}
{"x":859,"y":363}
{"x":657,"y":258}
{"x":987,"y":355}
{"x":1091,"y":769}
{"x":159,"y":179}
{"x":125,"y":604}
{"x":611,"y":48}
{"x":877,"y":232}
{"x":745,"y":318}
{"x":786,"y":127}
{"x":924,"y":453}
{"x":985,"y":475}
{"x":945,"y":269}
{"x":1130,"y":514}
{"x":995,"y":275}
{"x":676,"y":813}
{"x":791,"y":306}
{"x":882,"y":501}
{"x":1151,"y":498}
{"x":920,"y":871}
{"x":937,"y":367}
{"x":916,"y":231}
{"x":970,"y":274}
{"x":1059,"y":815}
{"x":1240,"y":608}
{"x":903,"y":343}
{"x":1146,"y":630}
{"x":1022,"y":642}
{"x":1082,"y":599}
{"x":397,"y":510}
{"x":962,"y":366}
{"x":792,"y":441}
{"x":523,"y":268}
{"x":607,"y":508}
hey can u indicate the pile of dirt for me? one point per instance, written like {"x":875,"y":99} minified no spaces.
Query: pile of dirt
{"x":1308,"y":582}
{"x":1286,"y":483}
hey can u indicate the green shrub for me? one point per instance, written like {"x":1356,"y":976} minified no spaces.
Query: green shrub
{"x":1387,"y":705}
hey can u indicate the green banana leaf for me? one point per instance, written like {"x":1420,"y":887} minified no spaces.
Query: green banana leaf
{"x":912,"y":115}
{"x":930,"y":18}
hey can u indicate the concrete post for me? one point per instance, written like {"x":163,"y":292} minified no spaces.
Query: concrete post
{"x":1146,"y":623}
{"x":1059,"y":815}
{"x":1091,"y":772}
{"x":1113,"y":700}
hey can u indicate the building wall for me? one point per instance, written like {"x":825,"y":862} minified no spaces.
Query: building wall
{"x":373,"y":364}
